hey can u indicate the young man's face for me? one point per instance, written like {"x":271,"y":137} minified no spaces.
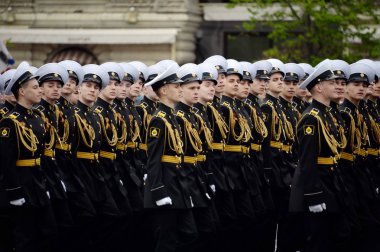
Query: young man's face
{"x":232,"y":85}
{"x":275,"y":84}
{"x":73,"y":98}
{"x":243,"y":90}
{"x":376,"y":89}
{"x":134,"y":90}
{"x":110,"y":91}
{"x":88,"y":91}
{"x":11,"y":99}
{"x":207,"y":91}
{"x":31,"y":91}
{"x":219,"y":88}
{"x":173,"y":92}
{"x":190,"y":93}
{"x":258,"y":86}
{"x":356,"y":90}
{"x":122,"y":89}
{"x":69,"y":86}
{"x":289,"y":89}
{"x":301,"y":93}
{"x":51,"y":90}
{"x":340,"y":88}
{"x":150,"y":94}
{"x":329,"y":89}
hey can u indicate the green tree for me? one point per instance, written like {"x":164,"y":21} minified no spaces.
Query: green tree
{"x":312,"y":30}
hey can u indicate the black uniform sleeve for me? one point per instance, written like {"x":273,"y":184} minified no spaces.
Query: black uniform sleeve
{"x":156,"y":144}
{"x":8,"y":156}
{"x":267,"y":117}
{"x":308,"y":133}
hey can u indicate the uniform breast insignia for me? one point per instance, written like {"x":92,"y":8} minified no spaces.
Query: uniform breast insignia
{"x":40,"y":108}
{"x":154,"y":132}
{"x":4,"y":132}
{"x":308,"y":129}
{"x":347,"y":110}
{"x":269,"y":102}
{"x":314,"y":112}
{"x":227,"y":104}
{"x":180,"y":113}
{"x":161,"y":114}
{"x":14,"y":115}
{"x":98,"y":109}
{"x":76,"y":109}
{"x":265,"y":117}
{"x":195,"y":110}
{"x":4,"y":110}
{"x":144,"y":105}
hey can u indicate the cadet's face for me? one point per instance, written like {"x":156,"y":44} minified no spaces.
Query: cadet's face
{"x":329,"y":89}
{"x":258,"y":86}
{"x":173,"y":92}
{"x":2,"y":98}
{"x":88,"y":92}
{"x":51,"y":90}
{"x":73,"y":98}
{"x":355,"y":91}
{"x":301,"y":93}
{"x":110,"y":91}
{"x":11,"y":99}
{"x":31,"y":91}
{"x":207,"y":91}
{"x":232,"y":85}
{"x":289,"y":89}
{"x":122,"y":89}
{"x":340,"y":88}
{"x":135,"y":89}
{"x":376,"y":90}
{"x":69,"y":86}
{"x":148,"y":92}
{"x":275,"y":84}
{"x":190,"y":93}
{"x":243,"y":90}
{"x":369,"y":89}
{"x":219,"y":88}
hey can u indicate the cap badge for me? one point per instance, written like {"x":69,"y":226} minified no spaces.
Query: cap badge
{"x":55,"y":75}
{"x":71,"y":72}
{"x":338,"y":72}
{"x":94,"y":76}
{"x":113,"y":73}
{"x":362,"y":75}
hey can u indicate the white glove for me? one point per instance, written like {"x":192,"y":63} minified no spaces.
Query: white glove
{"x":208,"y":196}
{"x":121,"y":182}
{"x":317,"y":208}
{"x":213,"y":188}
{"x":145,"y":177}
{"x":63,"y":185}
{"x":17,"y":202}
{"x":48,"y":194}
{"x":164,"y":201}
{"x":377,"y":190}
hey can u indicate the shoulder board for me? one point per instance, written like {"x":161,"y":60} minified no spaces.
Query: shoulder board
{"x":14,"y":115}
{"x":98,"y":109}
{"x":40,"y":108}
{"x":161,"y":114}
{"x":314,"y":112}
{"x":269,"y":102}
{"x":76,"y":109}
{"x":143,"y":105}
{"x":347,"y":109}
{"x":180,"y":113}
{"x":4,"y":110}
{"x":227,"y":104}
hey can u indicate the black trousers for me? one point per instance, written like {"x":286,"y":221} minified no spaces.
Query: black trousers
{"x":33,"y":228}
{"x":174,"y":230}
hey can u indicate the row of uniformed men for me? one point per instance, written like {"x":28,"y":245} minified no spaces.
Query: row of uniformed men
{"x":214,"y":159}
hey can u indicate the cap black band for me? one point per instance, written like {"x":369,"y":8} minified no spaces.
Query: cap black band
{"x":220,"y":69}
{"x":190,"y":78}
{"x":357,"y":77}
{"x":73,"y":75}
{"x":151,"y":77}
{"x":23,"y":78}
{"x":231,"y":71}
{"x":276,"y":70}
{"x":340,"y":74}
{"x":173,"y":78}
{"x":206,"y":76}
{"x":93,"y":78}
{"x":114,"y":76}
{"x":327,"y":75}
{"x":51,"y":77}
{"x":247,"y":76}
{"x":291,"y":77}
{"x":128,"y":77}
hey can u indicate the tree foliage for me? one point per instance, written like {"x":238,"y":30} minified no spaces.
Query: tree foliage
{"x":312,"y":30}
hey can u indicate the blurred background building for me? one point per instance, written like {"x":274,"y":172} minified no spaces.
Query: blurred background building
{"x":95,"y":31}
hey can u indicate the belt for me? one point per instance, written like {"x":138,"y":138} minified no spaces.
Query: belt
{"x":132,"y":145}
{"x":255,"y":147}
{"x":245,"y":149}
{"x":87,"y":155}
{"x":218,"y":146}
{"x":107,"y":154}
{"x":362,"y":153}
{"x":201,"y":158}
{"x":171,"y":159}
{"x":347,"y":156}
{"x":121,"y":146}
{"x":29,"y":162}
{"x":373,"y":152}
{"x":277,"y":145}
{"x":326,"y":160}
{"x":190,"y":160}
{"x":63,"y":146}
{"x":143,"y":146}
{"x":233,"y":148}
{"x":49,"y":153}
{"x":286,"y":148}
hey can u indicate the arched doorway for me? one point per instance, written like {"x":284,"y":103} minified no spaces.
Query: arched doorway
{"x":79,"y":54}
